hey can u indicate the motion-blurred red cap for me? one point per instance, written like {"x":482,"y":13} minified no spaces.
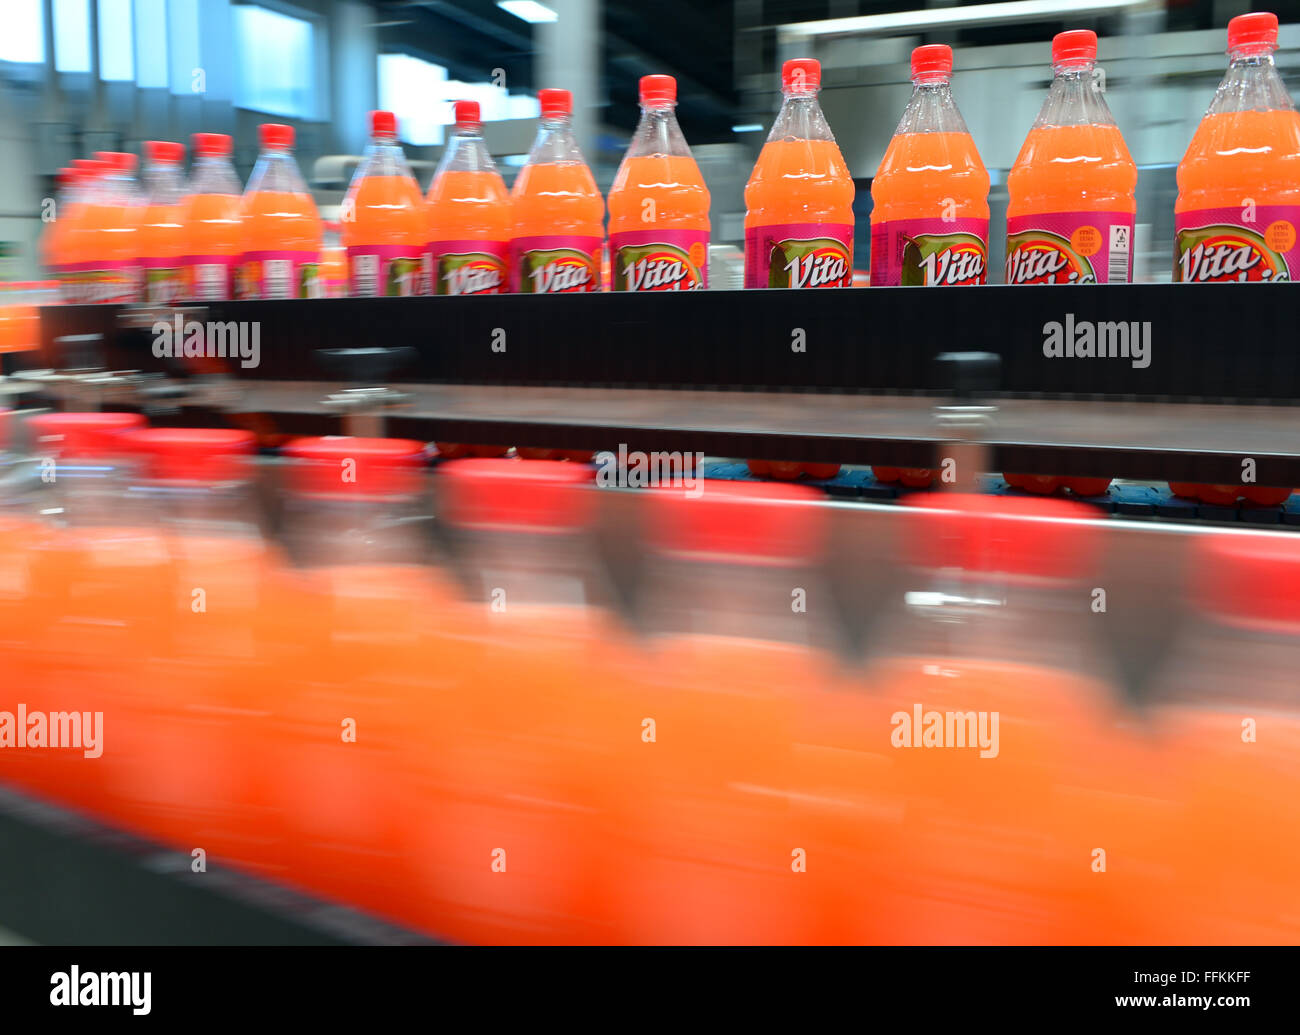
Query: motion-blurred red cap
{"x":468,"y":113}
{"x":164,"y":151}
{"x":83,"y":434}
{"x":555,"y":103}
{"x":801,"y":75}
{"x":383,"y":124}
{"x":117,"y":161}
{"x":1010,"y":535}
{"x":195,"y":454}
{"x":1252,"y":33}
{"x":1074,"y":48}
{"x":502,"y":495}
{"x":658,"y":89}
{"x":759,"y":523}
{"x":211,"y":145}
{"x":1250,"y":578}
{"x":66,"y":176}
{"x":931,"y":63}
{"x":275,"y":136}
{"x":341,"y":465}
{"x":88,"y":167}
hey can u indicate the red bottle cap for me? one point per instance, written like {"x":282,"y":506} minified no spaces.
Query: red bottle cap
{"x":468,"y":113}
{"x":1252,"y":33}
{"x":1250,"y":578}
{"x":658,"y":90}
{"x":757,"y":523}
{"x":164,"y":152}
{"x":555,"y":103}
{"x":275,"y":136}
{"x":84,"y":434}
{"x":346,"y":466}
{"x":88,"y":167}
{"x":1074,"y":48}
{"x":211,"y":145}
{"x":66,"y":176}
{"x":1010,"y":535}
{"x":117,"y":161}
{"x":931,"y":63}
{"x":195,"y":454}
{"x":536,"y":496}
{"x":383,"y":124}
{"x":801,"y":75}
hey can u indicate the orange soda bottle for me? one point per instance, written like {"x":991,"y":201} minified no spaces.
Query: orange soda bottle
{"x":162,"y":236}
{"x":930,"y":214}
{"x":799,"y":198}
{"x":557,"y":209}
{"x":334,"y":262}
{"x":101,"y":243}
{"x":210,"y":215}
{"x":67,"y":206}
{"x":659,"y":205}
{"x":282,"y":230}
{"x":1070,"y":218}
{"x":385,"y":226}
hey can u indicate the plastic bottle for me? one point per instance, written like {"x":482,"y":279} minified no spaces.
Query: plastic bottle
{"x":102,"y":241}
{"x":211,"y":217}
{"x":1071,"y":212}
{"x":1239,"y":182}
{"x":469,"y":215}
{"x":162,"y":236}
{"x":385,"y":225}
{"x":659,"y":205}
{"x":282,"y":230}
{"x":557,"y":210}
{"x":53,"y":248}
{"x":334,"y":263}
{"x":799,"y":198}
{"x":930,"y":214}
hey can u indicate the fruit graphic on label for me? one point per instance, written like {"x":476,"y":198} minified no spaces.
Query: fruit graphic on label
{"x":1222,"y":252}
{"x":820,"y":262}
{"x":309,"y":285}
{"x":556,"y":270}
{"x":1042,"y":257}
{"x":943,"y":259}
{"x":655,"y":267}
{"x":468,"y":273}
{"x":403,"y":275}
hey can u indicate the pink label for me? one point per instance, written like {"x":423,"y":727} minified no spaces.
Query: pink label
{"x":930,"y":252}
{"x":467,"y":267}
{"x":211,"y":278}
{"x":660,"y":260}
{"x":799,"y":255}
{"x":86,"y":283}
{"x":280,"y":274}
{"x":1070,"y":248}
{"x":555,"y":264}
{"x":384,"y":270}
{"x":1244,"y":243}
{"x":163,"y":281}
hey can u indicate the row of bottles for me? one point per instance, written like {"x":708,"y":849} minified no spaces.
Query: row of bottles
{"x":477,"y":743}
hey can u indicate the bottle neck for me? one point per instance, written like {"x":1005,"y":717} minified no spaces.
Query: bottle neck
{"x":276,"y":171}
{"x":213,"y":174}
{"x":344,"y":530}
{"x":522,"y":569}
{"x":555,"y":143}
{"x":383,"y":157}
{"x":800,"y":118}
{"x":466,"y":152}
{"x":931,"y":109}
{"x":1074,"y":99}
{"x":1252,"y":83}
{"x":657,"y":133}
{"x":162,"y":183}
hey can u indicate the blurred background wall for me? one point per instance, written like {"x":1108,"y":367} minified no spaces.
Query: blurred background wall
{"x":83,"y":75}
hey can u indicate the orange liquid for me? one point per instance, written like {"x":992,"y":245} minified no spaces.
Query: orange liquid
{"x":1072,"y":169}
{"x":920,"y":170}
{"x":163,"y":246}
{"x":799,"y":181}
{"x":104,"y":238}
{"x":214,"y":229}
{"x":469,"y":206}
{"x":556,"y":198}
{"x":386,"y":210}
{"x":674,"y":185}
{"x":1240,"y":154}
{"x":281,"y":221}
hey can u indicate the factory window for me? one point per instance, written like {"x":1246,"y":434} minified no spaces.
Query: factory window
{"x":23,"y":39}
{"x":72,"y":35}
{"x":276,"y":62}
{"x":151,"y":43}
{"x":409,"y":87}
{"x":116,"y":61}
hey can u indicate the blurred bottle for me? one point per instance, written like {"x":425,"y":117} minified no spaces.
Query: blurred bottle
{"x":385,"y":225}
{"x":53,"y":246}
{"x":930,"y":218}
{"x":351,"y":629}
{"x":469,"y":215}
{"x":99,"y":584}
{"x":334,"y":263}
{"x":799,"y":198}
{"x":163,"y":240}
{"x":1239,"y":194}
{"x":717,"y":838}
{"x":514,"y":835}
{"x":101,"y":243}
{"x":77,"y":243}
{"x":557,"y":209}
{"x":659,"y":205}
{"x":1226,"y":715}
{"x":281,"y":228}
{"x":1006,"y":734}
{"x":191,"y":734}
{"x":210,"y":216}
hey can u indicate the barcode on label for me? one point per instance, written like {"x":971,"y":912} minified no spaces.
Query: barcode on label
{"x":1117,"y":268}
{"x":278,"y":276}
{"x":365,"y":274}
